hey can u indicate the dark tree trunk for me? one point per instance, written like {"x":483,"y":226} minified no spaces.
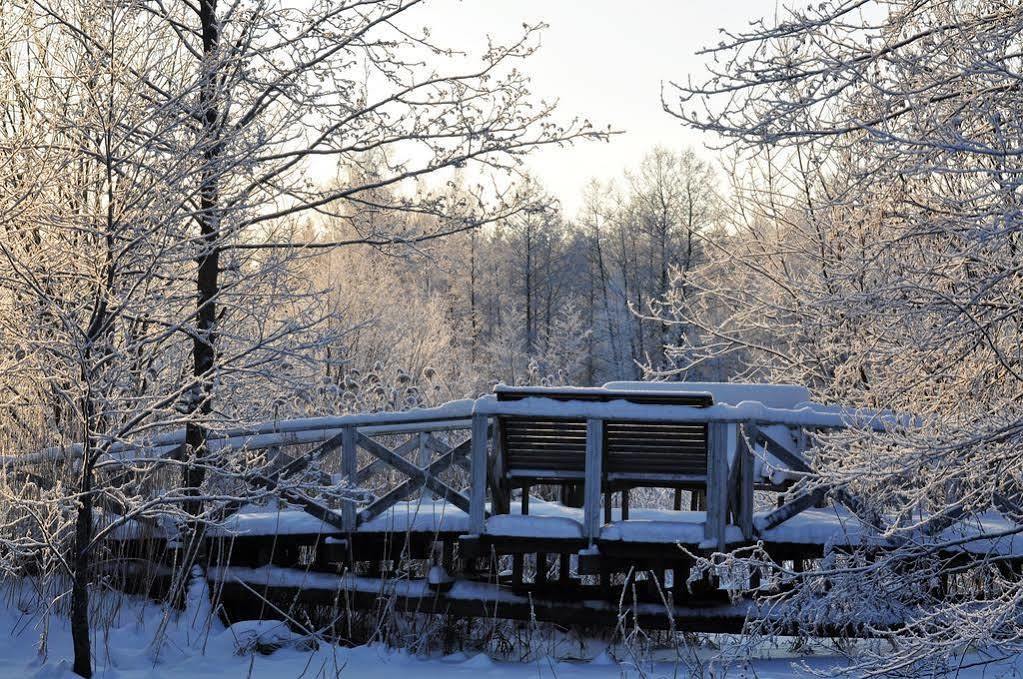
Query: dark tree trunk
{"x":80,"y":575}
{"x":204,"y":343}
{"x":100,"y":325}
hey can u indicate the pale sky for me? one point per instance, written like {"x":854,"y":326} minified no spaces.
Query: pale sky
{"x":604,"y":60}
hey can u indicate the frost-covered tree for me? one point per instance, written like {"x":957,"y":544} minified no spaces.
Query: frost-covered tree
{"x":158,"y":161}
{"x":875,"y":256}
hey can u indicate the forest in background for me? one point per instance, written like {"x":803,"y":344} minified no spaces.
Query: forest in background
{"x":538,"y":297}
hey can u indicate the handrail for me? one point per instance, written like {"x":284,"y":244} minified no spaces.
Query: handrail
{"x":746,"y":412}
{"x":453,"y":415}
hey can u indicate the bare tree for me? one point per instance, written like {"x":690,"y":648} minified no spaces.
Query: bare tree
{"x":876,"y":257}
{"x":177,"y":146}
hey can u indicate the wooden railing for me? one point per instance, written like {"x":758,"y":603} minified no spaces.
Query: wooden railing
{"x":729,"y":480}
{"x":359,"y":447}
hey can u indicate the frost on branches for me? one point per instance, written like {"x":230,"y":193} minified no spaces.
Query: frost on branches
{"x":874,"y":255}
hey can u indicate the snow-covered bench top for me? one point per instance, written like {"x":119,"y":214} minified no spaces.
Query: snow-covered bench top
{"x":685,"y":397}
{"x":785,"y":396}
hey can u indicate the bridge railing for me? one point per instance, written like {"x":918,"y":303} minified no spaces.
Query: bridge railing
{"x":729,"y":478}
{"x":347,"y":452}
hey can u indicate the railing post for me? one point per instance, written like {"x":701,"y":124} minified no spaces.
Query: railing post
{"x":594,"y":477}
{"x":478,"y":496}
{"x":500,"y":492}
{"x":745,"y":462}
{"x":349,"y":470}
{"x":717,"y":483}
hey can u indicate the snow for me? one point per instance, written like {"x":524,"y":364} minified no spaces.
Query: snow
{"x":555,"y":521}
{"x":199,"y":648}
{"x":833,"y":526}
{"x":988,"y":533}
{"x":438,"y":576}
{"x":744,"y":411}
{"x":773,"y":395}
{"x":196,"y":645}
{"x":551,"y":527}
{"x":428,"y":516}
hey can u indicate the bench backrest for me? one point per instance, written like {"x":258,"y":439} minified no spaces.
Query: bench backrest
{"x":554,"y":449}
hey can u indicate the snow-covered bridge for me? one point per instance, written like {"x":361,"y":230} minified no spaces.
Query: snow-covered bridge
{"x":544,"y":503}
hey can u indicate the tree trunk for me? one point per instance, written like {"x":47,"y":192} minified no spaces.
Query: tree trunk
{"x":204,"y":342}
{"x":80,"y":574}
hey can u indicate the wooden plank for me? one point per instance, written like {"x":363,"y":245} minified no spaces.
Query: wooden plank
{"x":696,"y":478}
{"x":558,"y":474}
{"x":594,"y":478}
{"x":717,"y":485}
{"x":238,"y":595}
{"x":478,"y":498}
{"x":412,"y":471}
{"x":790,"y":509}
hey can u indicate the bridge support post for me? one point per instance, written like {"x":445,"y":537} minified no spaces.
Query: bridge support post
{"x":349,"y":470}
{"x":715,"y":524}
{"x":478,"y":496}
{"x":594,"y":476}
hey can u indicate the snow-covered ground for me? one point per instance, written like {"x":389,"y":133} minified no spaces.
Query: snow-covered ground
{"x":195,"y":646}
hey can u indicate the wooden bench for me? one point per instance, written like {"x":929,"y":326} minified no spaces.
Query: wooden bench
{"x":552,"y":450}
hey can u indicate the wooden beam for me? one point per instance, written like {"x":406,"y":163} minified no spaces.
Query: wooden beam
{"x":778,"y":449}
{"x":500,"y":492}
{"x":310,"y":506}
{"x":478,"y":498}
{"x":790,"y":509}
{"x":745,"y":489}
{"x":717,"y":484}
{"x":377,"y":466}
{"x":300,"y":463}
{"x":734,"y":468}
{"x":425,"y":453}
{"x":594,"y":478}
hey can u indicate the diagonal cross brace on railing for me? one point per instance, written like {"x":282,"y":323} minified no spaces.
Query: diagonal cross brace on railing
{"x":376,"y":466}
{"x":310,"y":506}
{"x":291,"y":466}
{"x":406,"y":488}
{"x":413,"y":472}
{"x":778,"y":448}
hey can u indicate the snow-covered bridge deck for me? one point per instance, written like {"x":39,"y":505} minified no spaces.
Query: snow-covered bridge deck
{"x":830,"y":527}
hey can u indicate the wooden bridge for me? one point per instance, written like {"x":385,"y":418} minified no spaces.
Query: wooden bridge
{"x":570,"y":505}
